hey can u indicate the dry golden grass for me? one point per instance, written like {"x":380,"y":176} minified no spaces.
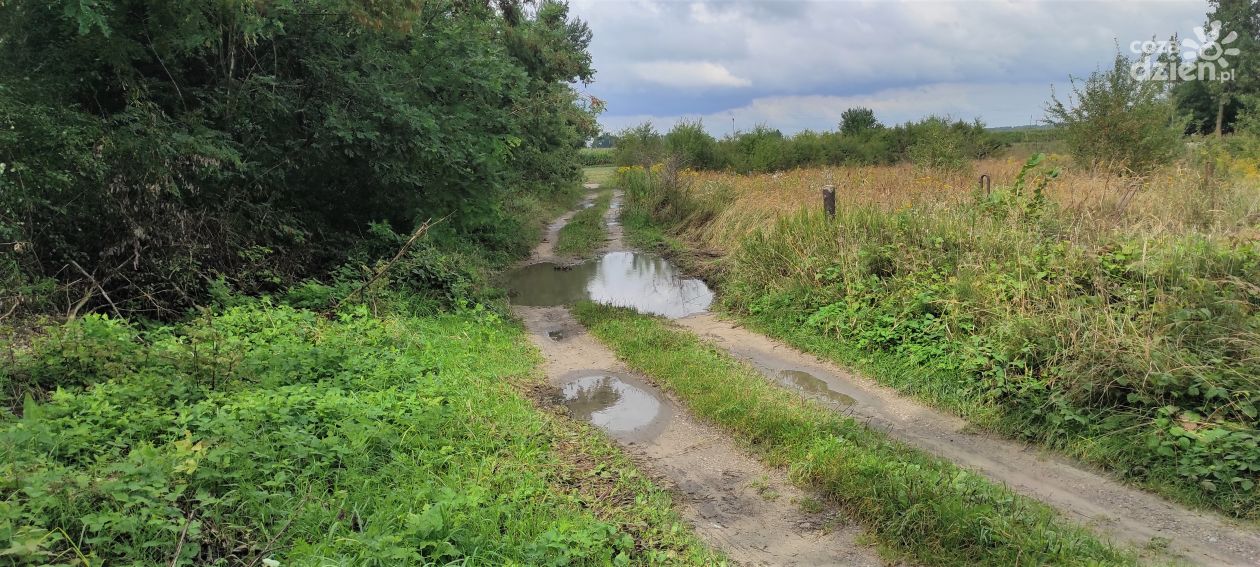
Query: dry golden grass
{"x":1178,"y":199}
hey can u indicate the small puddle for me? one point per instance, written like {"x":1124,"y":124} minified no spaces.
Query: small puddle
{"x":614,"y":205}
{"x":556,"y":335}
{"x":645,"y":282}
{"x":814,"y":386}
{"x":612,"y":404}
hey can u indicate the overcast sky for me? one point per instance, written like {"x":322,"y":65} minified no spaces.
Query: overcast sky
{"x":797,"y":65}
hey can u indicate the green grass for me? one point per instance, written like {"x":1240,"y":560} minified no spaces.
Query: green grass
{"x":601,"y":174}
{"x":642,"y":233}
{"x":912,"y":503}
{"x":269,"y":432}
{"x":585,"y":232}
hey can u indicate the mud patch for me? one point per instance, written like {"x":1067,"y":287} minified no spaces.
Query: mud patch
{"x":645,"y":282}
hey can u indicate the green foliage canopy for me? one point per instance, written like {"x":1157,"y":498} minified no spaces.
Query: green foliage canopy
{"x":159,"y":144}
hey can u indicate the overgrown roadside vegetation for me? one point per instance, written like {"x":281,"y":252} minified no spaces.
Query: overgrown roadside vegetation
{"x":153,"y":152}
{"x":917,"y":505}
{"x":1118,"y":326}
{"x":269,"y":432}
{"x":224,"y":338}
{"x":585,"y":232}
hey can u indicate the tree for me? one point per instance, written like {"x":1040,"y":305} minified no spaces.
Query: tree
{"x":1215,"y":101}
{"x":153,"y":146}
{"x":1117,"y":121}
{"x":857,"y":121}
{"x":604,"y":140}
{"x":1241,"y":17}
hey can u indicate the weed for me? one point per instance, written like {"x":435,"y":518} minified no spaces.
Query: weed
{"x":810,"y":505}
{"x":265,"y":432}
{"x":922,"y":506}
{"x":585,"y":232}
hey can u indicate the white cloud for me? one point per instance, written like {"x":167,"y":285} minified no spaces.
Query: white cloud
{"x":996,"y":104}
{"x":688,"y":74}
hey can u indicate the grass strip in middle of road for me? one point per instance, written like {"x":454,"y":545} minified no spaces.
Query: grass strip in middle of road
{"x":915,"y":504}
{"x":585,"y":232}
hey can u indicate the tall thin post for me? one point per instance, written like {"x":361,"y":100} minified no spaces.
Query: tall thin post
{"x":829,"y":200}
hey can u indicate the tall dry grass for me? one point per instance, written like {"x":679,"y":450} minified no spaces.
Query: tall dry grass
{"x":1182,"y":198}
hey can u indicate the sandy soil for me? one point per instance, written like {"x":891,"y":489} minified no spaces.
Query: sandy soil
{"x":1126,"y":515}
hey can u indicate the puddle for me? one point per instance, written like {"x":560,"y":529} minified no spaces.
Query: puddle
{"x":645,"y":282}
{"x":555,"y":335}
{"x":814,"y":386}
{"x":614,"y":218}
{"x":612,"y":404}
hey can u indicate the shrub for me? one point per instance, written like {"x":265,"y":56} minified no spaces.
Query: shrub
{"x":176,"y":164}
{"x":1118,"y":122}
{"x":691,"y":145}
{"x":937,"y":146}
{"x":640,"y":145}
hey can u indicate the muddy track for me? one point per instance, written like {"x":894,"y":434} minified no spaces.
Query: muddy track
{"x":1124,"y":514}
{"x":734,"y":503}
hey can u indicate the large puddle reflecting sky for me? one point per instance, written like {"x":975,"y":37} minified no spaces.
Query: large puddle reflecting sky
{"x":645,"y":282}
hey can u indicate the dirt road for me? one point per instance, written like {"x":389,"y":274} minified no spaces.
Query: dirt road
{"x":1125,"y":515}
{"x":735,"y":503}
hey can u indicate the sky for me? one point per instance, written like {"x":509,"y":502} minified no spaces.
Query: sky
{"x":796,"y":65}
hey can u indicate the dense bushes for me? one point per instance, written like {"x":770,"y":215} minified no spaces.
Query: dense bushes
{"x":150,"y":147}
{"x":933,"y":142}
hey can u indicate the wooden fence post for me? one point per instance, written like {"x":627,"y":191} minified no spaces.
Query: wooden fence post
{"x":829,"y":200}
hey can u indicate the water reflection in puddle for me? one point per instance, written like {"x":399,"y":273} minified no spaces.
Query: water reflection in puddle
{"x":645,"y":282}
{"x":610,"y":403}
{"x":814,"y":386}
{"x":613,"y":217}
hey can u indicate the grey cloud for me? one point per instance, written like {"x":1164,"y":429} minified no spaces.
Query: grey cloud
{"x":763,"y":50}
